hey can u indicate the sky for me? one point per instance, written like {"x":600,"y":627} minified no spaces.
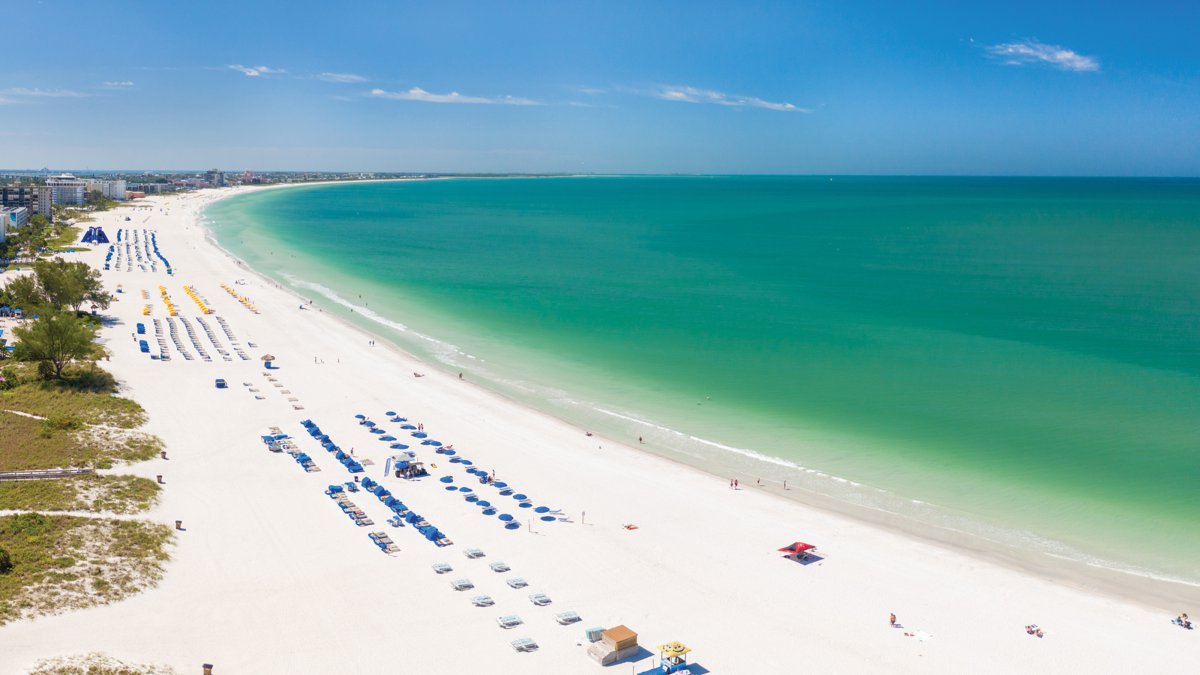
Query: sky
{"x":800,"y":87}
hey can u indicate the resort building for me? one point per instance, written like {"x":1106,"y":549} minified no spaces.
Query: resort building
{"x":109,"y":189}
{"x":67,"y":189}
{"x":37,"y":198}
{"x":14,"y":217}
{"x":215,"y":177}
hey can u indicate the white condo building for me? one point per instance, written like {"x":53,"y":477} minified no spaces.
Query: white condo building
{"x":67,"y":189}
{"x":109,"y":189}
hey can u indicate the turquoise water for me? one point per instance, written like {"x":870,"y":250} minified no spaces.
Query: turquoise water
{"x":1014,"y":358}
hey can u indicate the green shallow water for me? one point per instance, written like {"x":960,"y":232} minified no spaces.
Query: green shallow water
{"x":1016,"y":358}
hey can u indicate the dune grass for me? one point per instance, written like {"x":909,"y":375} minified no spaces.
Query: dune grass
{"x":89,"y":492}
{"x":69,"y":562}
{"x":96,"y":664}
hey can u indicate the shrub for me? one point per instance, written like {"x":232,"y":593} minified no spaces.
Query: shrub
{"x":5,"y":562}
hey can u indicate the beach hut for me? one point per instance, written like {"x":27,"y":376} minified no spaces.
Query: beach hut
{"x":616,"y":644}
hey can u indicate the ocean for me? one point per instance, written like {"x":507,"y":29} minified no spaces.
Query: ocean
{"x":1007,"y":359}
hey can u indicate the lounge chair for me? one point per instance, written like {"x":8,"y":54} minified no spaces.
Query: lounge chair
{"x":482,"y":601}
{"x":524,"y":645}
{"x":500,"y":567}
{"x":518,"y":582}
{"x":462,"y":584}
{"x":509,"y":621}
{"x":567,"y":618}
{"x":442,"y":568}
{"x":540,"y":599}
{"x":473,"y":553}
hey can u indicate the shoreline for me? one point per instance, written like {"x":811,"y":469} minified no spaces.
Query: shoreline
{"x":269,"y":576}
{"x":1151,"y":590}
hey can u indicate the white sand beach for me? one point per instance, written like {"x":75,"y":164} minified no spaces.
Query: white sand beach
{"x":269,"y":576}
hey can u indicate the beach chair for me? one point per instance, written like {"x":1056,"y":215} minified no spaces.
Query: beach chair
{"x":517,"y":582}
{"x":540,"y":599}
{"x":482,"y":601}
{"x":462,"y":584}
{"x":500,"y":567}
{"x":567,"y":618}
{"x":444,"y":541}
{"x":442,"y":568}
{"x":524,"y":645}
{"x":473,"y":553}
{"x":509,"y":621}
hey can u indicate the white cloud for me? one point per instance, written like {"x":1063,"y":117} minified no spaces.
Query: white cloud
{"x":1032,"y":51}
{"x":686,"y":94}
{"x":348,"y":78}
{"x":256,"y":71}
{"x":118,"y":84}
{"x":48,"y":93}
{"x":419,"y":94}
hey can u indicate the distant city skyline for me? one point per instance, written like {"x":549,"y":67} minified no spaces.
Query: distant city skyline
{"x":856,"y":87}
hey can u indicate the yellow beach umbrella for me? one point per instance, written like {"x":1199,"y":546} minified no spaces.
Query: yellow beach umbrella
{"x":673,"y":650}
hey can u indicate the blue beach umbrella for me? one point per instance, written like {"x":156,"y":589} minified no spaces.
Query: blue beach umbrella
{"x":520,"y":496}
{"x":549,"y":519}
{"x":398,"y":446}
{"x":467,"y":462}
{"x":525,"y":505}
{"x":387,"y":438}
{"x":361,"y":416}
{"x":420,"y":434}
{"x":410,"y":427}
{"x":368,"y":423}
{"x":500,"y":484}
{"x":399,"y":419}
{"x":505,"y":517}
{"x":451,"y":488}
{"x":455,"y":460}
{"x":542,"y":509}
{"x":447,"y":479}
{"x":512,"y":526}
{"x":448,"y":452}
{"x":471,"y":498}
{"x":465,"y":489}
{"x":484,"y":504}
{"x":433,"y":442}
{"x":390,"y":413}
{"x":488,"y":511}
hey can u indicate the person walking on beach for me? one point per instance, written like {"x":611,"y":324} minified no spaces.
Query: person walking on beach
{"x":892,"y":619}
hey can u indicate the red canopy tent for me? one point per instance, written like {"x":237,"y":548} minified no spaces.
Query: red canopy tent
{"x":797,"y":548}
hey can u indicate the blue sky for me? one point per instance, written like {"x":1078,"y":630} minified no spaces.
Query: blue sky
{"x":852,"y":86}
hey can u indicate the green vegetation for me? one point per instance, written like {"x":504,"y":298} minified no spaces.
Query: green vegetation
{"x":96,"y":664}
{"x":57,"y":284}
{"x":30,"y":443}
{"x":54,"y":340}
{"x":113,"y":494}
{"x":68,"y":562}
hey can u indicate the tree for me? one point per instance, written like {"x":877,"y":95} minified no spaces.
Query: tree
{"x":70,"y":284}
{"x":24,"y":293}
{"x":54,"y":339}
